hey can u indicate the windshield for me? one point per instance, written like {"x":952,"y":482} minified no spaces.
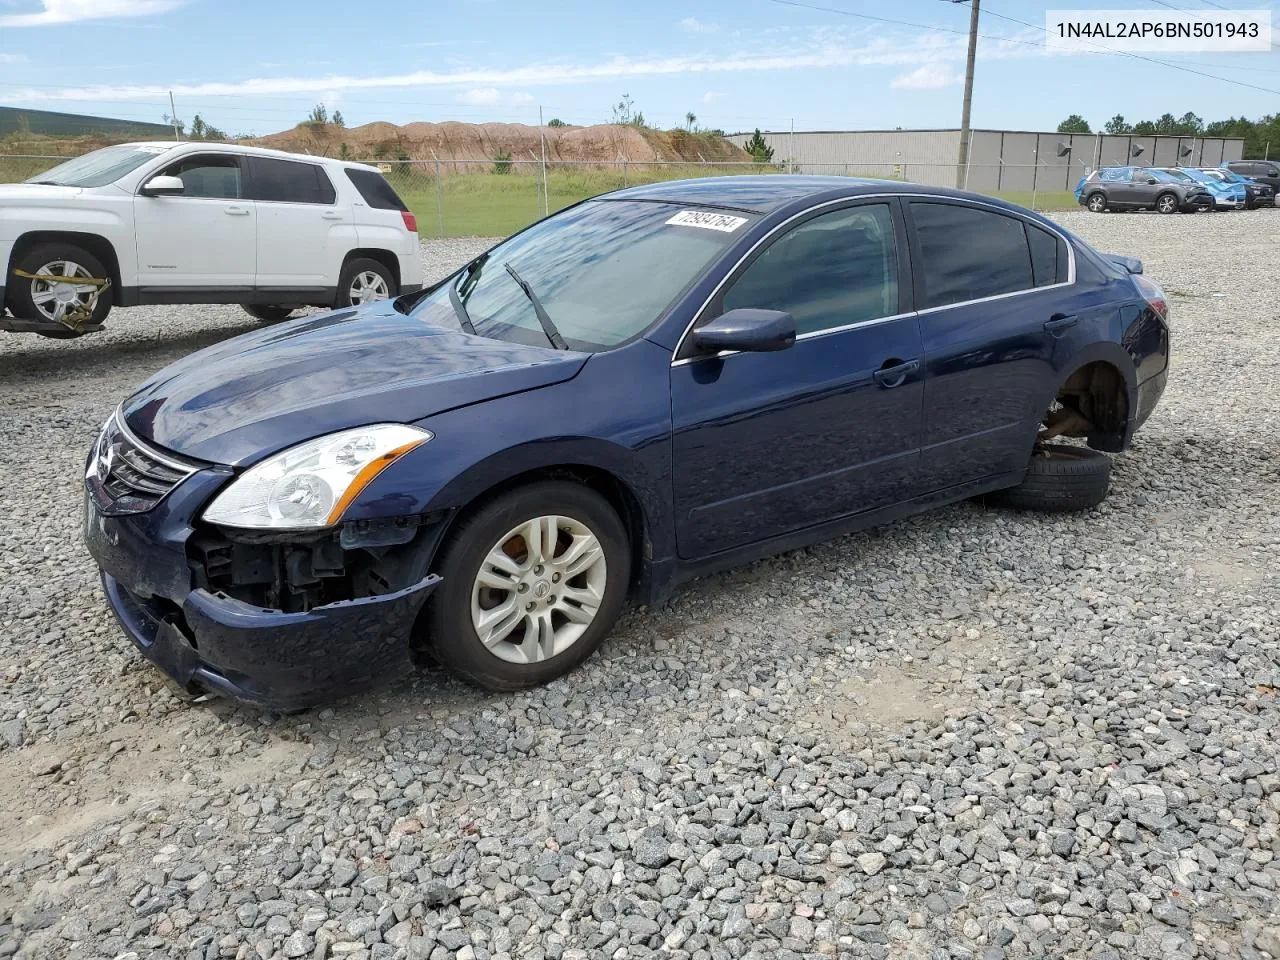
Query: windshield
{"x":1199,"y":177}
{"x":1175,"y":175}
{"x":1226,"y":175}
{"x":604,"y":271}
{"x":99,"y":168}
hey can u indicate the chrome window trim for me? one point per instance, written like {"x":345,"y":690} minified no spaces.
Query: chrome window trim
{"x":1053,"y":229}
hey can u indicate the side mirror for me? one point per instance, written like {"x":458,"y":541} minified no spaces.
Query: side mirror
{"x":1152,"y":180}
{"x":163,"y":186}
{"x":748,"y":330}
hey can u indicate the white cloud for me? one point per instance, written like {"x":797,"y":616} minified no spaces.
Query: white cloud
{"x":694,"y":25}
{"x":928,"y":76}
{"x":12,"y":58}
{"x":480,"y":97}
{"x":712,"y":96}
{"x":55,"y":12}
{"x":520,"y":99}
{"x":483,"y":86}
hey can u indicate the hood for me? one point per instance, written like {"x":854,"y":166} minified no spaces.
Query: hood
{"x":36,"y":191}
{"x":244,"y":399}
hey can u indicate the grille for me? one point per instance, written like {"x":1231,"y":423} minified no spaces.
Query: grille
{"x":133,"y":475}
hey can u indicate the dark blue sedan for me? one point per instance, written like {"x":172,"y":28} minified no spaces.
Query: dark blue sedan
{"x":639,"y":389}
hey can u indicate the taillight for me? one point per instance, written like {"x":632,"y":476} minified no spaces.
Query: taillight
{"x":410,"y":221}
{"x":1154,"y":296}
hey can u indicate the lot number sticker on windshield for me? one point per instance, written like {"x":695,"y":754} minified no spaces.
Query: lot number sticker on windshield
{"x":708,"y":221}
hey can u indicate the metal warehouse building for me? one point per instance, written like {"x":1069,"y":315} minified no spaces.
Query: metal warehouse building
{"x":998,"y":159}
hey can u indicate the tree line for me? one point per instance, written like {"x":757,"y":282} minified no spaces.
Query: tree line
{"x":1261,"y":137}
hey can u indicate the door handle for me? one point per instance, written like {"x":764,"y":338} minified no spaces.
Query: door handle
{"x":331,"y":215}
{"x":894,"y":373}
{"x":236,"y":211}
{"x":1059,"y":323}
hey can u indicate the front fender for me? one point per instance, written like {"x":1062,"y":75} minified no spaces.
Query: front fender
{"x":615,"y":416}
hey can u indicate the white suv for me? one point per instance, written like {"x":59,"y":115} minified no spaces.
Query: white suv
{"x":199,"y":223}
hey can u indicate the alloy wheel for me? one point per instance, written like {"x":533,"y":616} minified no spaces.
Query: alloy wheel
{"x":538,"y":589}
{"x":368,"y":286}
{"x":55,"y":299}
{"x":1097,"y":203}
{"x":1167,"y":204}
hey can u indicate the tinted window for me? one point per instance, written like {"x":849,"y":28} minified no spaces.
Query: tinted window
{"x":375,"y":190}
{"x":604,"y":270}
{"x":1048,"y":256}
{"x":211,"y":177}
{"x":833,"y":270}
{"x":289,"y":181}
{"x":969,"y":253}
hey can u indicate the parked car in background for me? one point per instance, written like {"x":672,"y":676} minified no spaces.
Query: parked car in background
{"x":1141,"y":188}
{"x":1226,"y":196}
{"x":1257,"y":194}
{"x":144,"y":223}
{"x":637,"y":390}
{"x":1261,"y":171}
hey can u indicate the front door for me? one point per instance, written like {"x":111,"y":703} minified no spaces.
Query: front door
{"x":203,"y":239}
{"x":304,"y":232}
{"x":768,"y":443}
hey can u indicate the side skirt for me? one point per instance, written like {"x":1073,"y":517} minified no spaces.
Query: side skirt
{"x":666,"y":575}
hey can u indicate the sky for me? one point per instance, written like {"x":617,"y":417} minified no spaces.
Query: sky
{"x":258,"y":66}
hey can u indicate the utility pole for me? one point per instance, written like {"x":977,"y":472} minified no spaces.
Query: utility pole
{"x":173,"y":115}
{"x":542,"y":135}
{"x":962,"y":161}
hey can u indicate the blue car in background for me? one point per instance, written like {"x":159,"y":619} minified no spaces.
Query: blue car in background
{"x":1257,"y":194}
{"x":1226,"y":196}
{"x":639,"y":389}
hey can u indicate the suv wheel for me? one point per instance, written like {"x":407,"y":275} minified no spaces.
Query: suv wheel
{"x":364,"y":281}
{"x":65,"y":295}
{"x":1167,"y":203}
{"x":533,"y":582}
{"x":1097,"y":203}
{"x":268,"y":313}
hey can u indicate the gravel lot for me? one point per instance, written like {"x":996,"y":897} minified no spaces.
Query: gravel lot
{"x":974,"y":734}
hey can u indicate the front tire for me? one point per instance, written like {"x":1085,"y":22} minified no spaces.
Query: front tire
{"x":1060,"y":478}
{"x":1096,"y":202}
{"x":533,"y":582}
{"x":1167,"y":203}
{"x":54,"y":302}
{"x":364,"y":281}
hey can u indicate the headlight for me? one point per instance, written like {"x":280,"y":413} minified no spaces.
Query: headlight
{"x":312,"y":484}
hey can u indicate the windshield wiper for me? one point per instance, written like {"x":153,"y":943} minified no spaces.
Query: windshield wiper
{"x":548,"y":327}
{"x":464,"y":319}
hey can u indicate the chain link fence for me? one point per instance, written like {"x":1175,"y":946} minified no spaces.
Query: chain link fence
{"x":491,"y":198}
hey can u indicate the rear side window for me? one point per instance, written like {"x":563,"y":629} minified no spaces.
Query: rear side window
{"x":288,"y":181}
{"x":969,"y":253}
{"x":375,"y":190}
{"x":1048,"y":256}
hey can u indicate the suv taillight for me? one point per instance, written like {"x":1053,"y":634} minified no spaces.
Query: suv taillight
{"x":410,"y":221}
{"x":1154,"y":296}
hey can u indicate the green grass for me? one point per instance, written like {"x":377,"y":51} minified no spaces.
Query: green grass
{"x":496,"y":205}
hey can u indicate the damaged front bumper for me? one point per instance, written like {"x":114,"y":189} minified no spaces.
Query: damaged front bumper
{"x":213,"y":635}
{"x":271,"y":659}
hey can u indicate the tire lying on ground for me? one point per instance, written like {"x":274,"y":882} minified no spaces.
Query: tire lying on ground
{"x":268,"y":313}
{"x":1060,"y":478}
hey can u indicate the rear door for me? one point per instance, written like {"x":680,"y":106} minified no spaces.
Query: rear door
{"x":204,"y":239}
{"x":304,"y":229}
{"x":985,"y":284}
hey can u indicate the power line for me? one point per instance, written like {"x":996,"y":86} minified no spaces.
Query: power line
{"x":1137,"y":56}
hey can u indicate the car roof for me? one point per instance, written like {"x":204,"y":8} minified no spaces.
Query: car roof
{"x":766,"y":193}
{"x":243,"y":148}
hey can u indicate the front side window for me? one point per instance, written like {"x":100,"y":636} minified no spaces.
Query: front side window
{"x":289,"y":181}
{"x":831,"y":271}
{"x":208,"y":177}
{"x":969,"y":253}
{"x":604,"y":270}
{"x":101,"y":167}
